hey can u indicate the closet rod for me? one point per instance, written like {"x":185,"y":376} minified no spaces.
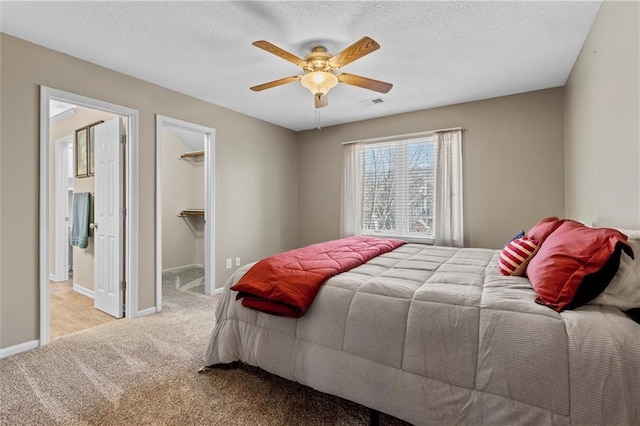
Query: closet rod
{"x":192,"y":154}
{"x":191,"y":212}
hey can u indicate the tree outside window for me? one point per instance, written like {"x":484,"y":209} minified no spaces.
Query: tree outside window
{"x":397,"y":188}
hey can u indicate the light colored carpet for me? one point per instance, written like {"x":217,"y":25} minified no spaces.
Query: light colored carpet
{"x":190,"y":278}
{"x":144,"y":372}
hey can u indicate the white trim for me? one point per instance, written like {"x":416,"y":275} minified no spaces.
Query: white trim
{"x":64,"y":114}
{"x":402,"y":137}
{"x":410,"y":239}
{"x":179,"y":268}
{"x":209,"y":211}
{"x":149,"y":311}
{"x":209,"y":207}
{"x":131,"y":234}
{"x":131,"y":231}
{"x":16,"y":349}
{"x":158,"y":306}
{"x":218,"y":290}
{"x":43,"y":272}
{"x":83,"y":290}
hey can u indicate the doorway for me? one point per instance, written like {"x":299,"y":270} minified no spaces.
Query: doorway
{"x":71,"y":284}
{"x":82,"y":184}
{"x":185,"y":194}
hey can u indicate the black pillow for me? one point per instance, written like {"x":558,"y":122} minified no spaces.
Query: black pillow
{"x":594,"y":284}
{"x":634,"y":314}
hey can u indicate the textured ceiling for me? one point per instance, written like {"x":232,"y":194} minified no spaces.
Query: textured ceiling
{"x":435,"y":53}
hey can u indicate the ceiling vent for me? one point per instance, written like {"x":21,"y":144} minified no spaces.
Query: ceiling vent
{"x":373,"y":101}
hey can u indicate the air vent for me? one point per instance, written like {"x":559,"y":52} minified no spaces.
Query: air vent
{"x":373,"y":101}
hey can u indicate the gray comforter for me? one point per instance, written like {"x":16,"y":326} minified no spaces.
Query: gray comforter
{"x":436,"y":335}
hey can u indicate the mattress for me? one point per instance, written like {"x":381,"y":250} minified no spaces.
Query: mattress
{"x":435,"y":335}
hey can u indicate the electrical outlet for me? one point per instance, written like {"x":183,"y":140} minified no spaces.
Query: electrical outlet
{"x":237,"y":261}
{"x":228,"y":263}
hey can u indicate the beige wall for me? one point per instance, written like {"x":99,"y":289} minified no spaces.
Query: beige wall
{"x":512,"y":164}
{"x":82,"y":258}
{"x":602,"y":119}
{"x":182,"y":187}
{"x":256,"y":174}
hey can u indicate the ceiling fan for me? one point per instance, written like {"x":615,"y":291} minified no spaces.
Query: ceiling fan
{"x":320,"y":66}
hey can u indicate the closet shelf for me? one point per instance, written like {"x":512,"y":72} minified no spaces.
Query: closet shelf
{"x":191,"y":212}
{"x":192,"y":154}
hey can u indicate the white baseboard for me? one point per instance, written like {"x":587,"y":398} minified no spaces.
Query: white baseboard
{"x":83,"y":290}
{"x":145,"y":312}
{"x":218,"y":290}
{"x":55,"y":278}
{"x":16,"y":349}
{"x":179,"y":268}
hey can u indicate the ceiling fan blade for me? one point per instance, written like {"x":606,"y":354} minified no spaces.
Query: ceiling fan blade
{"x":365,"y":83}
{"x":321,"y":100}
{"x":357,"y":50}
{"x":272,"y":48}
{"x":275,"y":83}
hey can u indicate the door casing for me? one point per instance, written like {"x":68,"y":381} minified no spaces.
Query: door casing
{"x":131,"y":201}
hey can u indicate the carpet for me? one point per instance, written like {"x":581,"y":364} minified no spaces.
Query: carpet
{"x":144,"y":372}
{"x":190,"y":278}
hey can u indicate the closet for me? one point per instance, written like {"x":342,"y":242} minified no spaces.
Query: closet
{"x":196,"y":212}
{"x":183,"y":210}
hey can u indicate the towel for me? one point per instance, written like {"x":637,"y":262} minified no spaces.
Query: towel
{"x":81,"y":219}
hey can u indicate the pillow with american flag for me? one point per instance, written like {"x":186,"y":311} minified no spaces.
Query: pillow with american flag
{"x":516,"y":255}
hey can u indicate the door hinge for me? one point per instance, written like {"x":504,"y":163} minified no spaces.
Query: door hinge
{"x":123,"y":212}
{"x":123,"y":290}
{"x":123,"y":139}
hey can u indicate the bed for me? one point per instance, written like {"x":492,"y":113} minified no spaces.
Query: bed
{"x":436,"y":335}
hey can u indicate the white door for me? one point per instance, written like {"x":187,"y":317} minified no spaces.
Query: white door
{"x":107,"y":218}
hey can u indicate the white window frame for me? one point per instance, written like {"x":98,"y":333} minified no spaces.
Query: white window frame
{"x":400,"y":179}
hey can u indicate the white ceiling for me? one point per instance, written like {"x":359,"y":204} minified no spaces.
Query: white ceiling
{"x":435,"y":53}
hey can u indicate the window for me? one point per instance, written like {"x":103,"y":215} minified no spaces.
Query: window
{"x":407,"y":187}
{"x":397,"y":188}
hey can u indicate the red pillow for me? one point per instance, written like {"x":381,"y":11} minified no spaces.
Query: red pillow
{"x":544,"y":228}
{"x":516,"y":255}
{"x":570,"y":254}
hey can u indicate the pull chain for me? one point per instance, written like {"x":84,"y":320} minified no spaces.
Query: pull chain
{"x":317,"y":126}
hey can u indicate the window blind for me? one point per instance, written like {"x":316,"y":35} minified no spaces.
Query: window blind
{"x":397,"y":187}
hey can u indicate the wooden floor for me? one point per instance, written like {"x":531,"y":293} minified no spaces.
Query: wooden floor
{"x":72,"y":311}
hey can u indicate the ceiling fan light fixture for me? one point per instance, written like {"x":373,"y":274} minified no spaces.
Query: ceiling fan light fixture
{"x":319,"y":82}
{"x":319,"y":67}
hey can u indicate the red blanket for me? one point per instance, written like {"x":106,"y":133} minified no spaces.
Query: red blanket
{"x":287,"y":283}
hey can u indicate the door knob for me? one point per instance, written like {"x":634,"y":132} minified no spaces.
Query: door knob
{"x":93,"y":225}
